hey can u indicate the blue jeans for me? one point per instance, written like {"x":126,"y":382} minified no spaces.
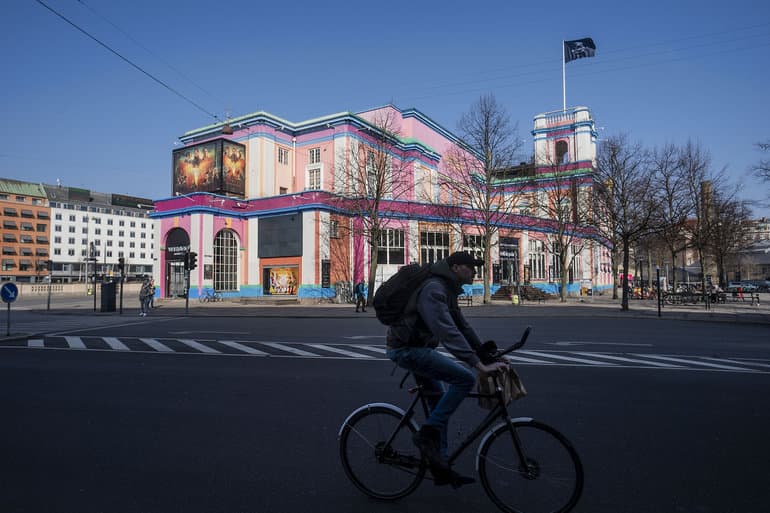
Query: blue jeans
{"x":430,"y":369}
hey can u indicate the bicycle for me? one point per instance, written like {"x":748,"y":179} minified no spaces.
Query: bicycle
{"x":536,"y":462}
{"x":209,"y":296}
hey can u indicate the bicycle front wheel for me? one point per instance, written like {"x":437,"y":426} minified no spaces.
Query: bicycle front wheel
{"x":549,"y":478}
{"x":386,"y":472}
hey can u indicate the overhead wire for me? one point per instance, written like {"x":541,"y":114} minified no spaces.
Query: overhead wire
{"x":143,"y":47}
{"x":131,"y":63}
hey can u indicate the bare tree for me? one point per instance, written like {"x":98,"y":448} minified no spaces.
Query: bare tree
{"x":762,"y":168}
{"x":370,"y":174}
{"x":728,"y":229}
{"x":473,"y":174}
{"x":625,"y":196}
{"x":676,"y":204}
{"x":700,"y":183}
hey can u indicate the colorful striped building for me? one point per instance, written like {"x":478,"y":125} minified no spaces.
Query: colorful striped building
{"x":277,"y":208}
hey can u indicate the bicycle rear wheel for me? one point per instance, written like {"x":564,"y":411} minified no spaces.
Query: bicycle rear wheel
{"x":381,"y":472}
{"x":549,"y":480}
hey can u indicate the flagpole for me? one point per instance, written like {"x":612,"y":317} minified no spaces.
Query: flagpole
{"x":563,"y":79}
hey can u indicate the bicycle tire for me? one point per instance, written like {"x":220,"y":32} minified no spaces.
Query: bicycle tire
{"x":203,"y":299}
{"x":385,"y":474}
{"x":552,"y":481}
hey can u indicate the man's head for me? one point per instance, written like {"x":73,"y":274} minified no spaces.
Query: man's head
{"x":464,"y":266}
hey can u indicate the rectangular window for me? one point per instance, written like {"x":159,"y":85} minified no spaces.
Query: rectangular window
{"x":434,"y":246}
{"x":537,"y":260}
{"x":314,"y":156}
{"x":57,"y":240}
{"x":71,"y":240}
{"x":283,"y":155}
{"x":283,"y":190}
{"x":57,"y":251}
{"x":313,"y":179}
{"x":334,"y":229}
{"x":392,"y":247}
{"x":58,"y":217}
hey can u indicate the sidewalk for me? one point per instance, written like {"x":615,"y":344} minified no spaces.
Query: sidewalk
{"x":81,"y":311}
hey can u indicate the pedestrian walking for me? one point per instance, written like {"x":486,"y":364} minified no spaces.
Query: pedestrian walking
{"x":145,"y":294}
{"x":360,"y":296}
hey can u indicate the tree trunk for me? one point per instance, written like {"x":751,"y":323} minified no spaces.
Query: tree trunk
{"x":564,"y":257}
{"x":624,"y":281}
{"x":374,"y":249}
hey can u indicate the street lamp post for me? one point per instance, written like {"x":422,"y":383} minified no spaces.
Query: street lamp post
{"x":657,"y":275}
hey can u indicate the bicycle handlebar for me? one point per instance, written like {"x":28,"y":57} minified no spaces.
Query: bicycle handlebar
{"x":517,"y":345}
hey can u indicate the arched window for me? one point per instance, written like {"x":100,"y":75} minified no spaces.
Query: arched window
{"x":562,"y":152}
{"x":226,"y":261}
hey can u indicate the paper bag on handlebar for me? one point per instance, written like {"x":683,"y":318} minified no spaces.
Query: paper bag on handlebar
{"x":510,"y":383}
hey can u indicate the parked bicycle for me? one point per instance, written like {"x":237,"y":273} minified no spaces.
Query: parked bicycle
{"x":209,"y":296}
{"x":524,"y":465}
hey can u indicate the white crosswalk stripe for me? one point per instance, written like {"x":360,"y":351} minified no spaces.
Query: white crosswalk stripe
{"x":75,"y":342}
{"x":377,"y":352}
{"x":157,"y":345}
{"x":289,"y":349}
{"x":691,"y":362}
{"x":197,"y":345}
{"x":240,"y":347}
{"x":115,"y":344}
{"x":337,"y":350}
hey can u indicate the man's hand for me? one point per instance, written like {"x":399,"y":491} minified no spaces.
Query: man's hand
{"x":492,"y":367}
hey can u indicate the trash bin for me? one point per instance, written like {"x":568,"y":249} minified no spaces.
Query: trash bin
{"x":515,"y":299}
{"x":109,"y":291}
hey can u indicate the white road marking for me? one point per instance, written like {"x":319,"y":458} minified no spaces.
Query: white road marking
{"x":241,"y":347}
{"x":579,"y":343}
{"x":198,"y":346}
{"x":35,"y":342}
{"x":376,"y":349}
{"x":288,"y":349}
{"x":566,"y":358}
{"x":338,"y":351}
{"x":115,"y":344}
{"x":631,"y":360}
{"x":157,"y":345}
{"x":75,"y":342}
{"x":695,"y":362}
{"x":739,"y":362}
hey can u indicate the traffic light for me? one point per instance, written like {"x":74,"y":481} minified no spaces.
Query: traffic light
{"x":193,"y":260}
{"x":121,"y":265}
{"x":49,"y":265}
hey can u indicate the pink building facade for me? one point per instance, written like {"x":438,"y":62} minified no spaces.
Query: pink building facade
{"x":273,"y":213}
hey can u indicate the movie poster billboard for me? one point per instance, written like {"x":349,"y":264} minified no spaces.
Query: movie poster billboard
{"x":196,"y":168}
{"x":215,"y":166}
{"x":233,"y":168}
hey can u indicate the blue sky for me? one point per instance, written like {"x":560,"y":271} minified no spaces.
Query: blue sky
{"x":664,"y":72}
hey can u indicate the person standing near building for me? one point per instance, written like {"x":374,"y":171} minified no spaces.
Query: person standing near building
{"x":145,"y":294}
{"x":360,"y":296}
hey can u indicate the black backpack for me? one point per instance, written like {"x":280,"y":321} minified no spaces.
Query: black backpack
{"x":391,"y":298}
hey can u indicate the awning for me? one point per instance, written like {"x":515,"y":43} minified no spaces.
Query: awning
{"x":8,"y":250}
{"x":27,"y":226}
{"x":27,"y":213}
{"x":42,"y":240}
{"x":10,"y":211}
{"x":7,"y":237}
{"x":26,"y":252}
{"x":42,"y":215}
{"x":25,"y":261}
{"x":9,"y":224}
{"x":9,"y":262}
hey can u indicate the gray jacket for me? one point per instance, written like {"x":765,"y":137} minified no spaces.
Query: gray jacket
{"x":433,"y":316}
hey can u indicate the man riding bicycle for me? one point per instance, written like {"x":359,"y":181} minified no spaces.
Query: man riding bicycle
{"x":433,"y":317}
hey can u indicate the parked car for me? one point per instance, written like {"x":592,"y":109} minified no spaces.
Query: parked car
{"x":733,"y":286}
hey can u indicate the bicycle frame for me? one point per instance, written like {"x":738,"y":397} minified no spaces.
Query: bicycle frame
{"x":500,"y":411}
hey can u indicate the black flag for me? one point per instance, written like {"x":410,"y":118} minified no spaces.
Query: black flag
{"x":578,"y":49}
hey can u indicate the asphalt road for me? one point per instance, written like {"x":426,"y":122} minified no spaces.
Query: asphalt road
{"x":667,"y":416}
